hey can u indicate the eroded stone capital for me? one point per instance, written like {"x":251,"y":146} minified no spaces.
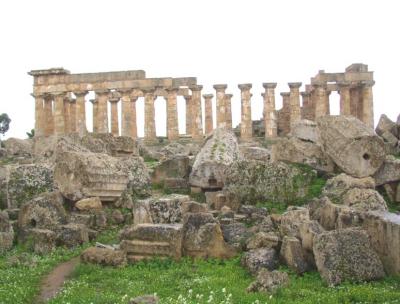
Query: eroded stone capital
{"x":269,"y":85}
{"x":228,"y":95}
{"x":245,"y":86}
{"x":93,"y":101}
{"x":220,"y":87}
{"x":367,"y":83}
{"x":196,"y":87}
{"x":102,"y":92}
{"x":294,"y":85}
{"x":187,"y":97}
{"x":208,"y":96}
{"x":80,"y":93}
{"x":148,"y":90}
{"x":305,"y":94}
{"x":285,"y":94}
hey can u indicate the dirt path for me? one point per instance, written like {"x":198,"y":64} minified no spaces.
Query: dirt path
{"x":54,"y":281}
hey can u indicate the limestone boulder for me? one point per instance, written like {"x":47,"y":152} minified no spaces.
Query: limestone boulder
{"x":176,"y":167}
{"x":299,"y":151}
{"x":41,"y":241}
{"x":202,"y":237}
{"x":269,"y":281}
{"x":86,"y":174}
{"x":346,"y":255}
{"x":352,"y":145}
{"x":255,"y":153}
{"x":72,"y":235}
{"x":264,"y":240}
{"x":248,"y":182}
{"x":308,"y":231}
{"x":306,"y":130}
{"x":385,"y":124}
{"x":257,"y":259}
{"x":43,"y":212}
{"x":6,"y":232}
{"x":235,"y":234}
{"x":174,"y":149}
{"x":293,"y":255}
{"x":336,"y":187}
{"x":388,"y":172}
{"x":16,"y":147}
{"x":87,"y":204}
{"x":364,"y":200}
{"x":103,"y":256}
{"x":291,"y":221}
{"x":219,"y":152}
{"x":21,"y":183}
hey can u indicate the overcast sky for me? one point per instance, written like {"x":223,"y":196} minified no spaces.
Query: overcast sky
{"x":216,"y":41}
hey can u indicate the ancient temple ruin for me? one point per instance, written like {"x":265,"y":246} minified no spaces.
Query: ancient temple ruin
{"x":60,"y":102}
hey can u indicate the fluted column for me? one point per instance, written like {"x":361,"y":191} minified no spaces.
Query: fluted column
{"x":149,"y":120}
{"x":67,"y":114}
{"x":94,"y":112}
{"x":114,"y":99}
{"x":284,"y":114}
{"x":189,"y":120}
{"x":327,"y":104}
{"x":367,"y":103}
{"x":270,"y":121}
{"x":220,"y":104}
{"x":48,"y":115}
{"x":208,"y":120}
{"x":306,"y":108}
{"x":197,"y":127}
{"x":295,"y":112}
{"x":72,"y":113}
{"x":126,"y":113}
{"x":172,"y":114}
{"x":39,"y":115}
{"x":59,"y":119}
{"x":133,"y":117}
{"x":80,"y":112}
{"x":228,"y":110}
{"x":246,"y":128}
{"x":344,"y":91}
{"x":319,"y":100}
{"x":102,"y":113}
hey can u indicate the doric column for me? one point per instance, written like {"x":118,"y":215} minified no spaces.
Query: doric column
{"x":327,"y":104}
{"x":220,"y":104}
{"x":59,"y":119}
{"x":102,"y":112}
{"x":149,"y":120}
{"x":94,"y":112}
{"x":39,"y":115}
{"x":80,"y":112}
{"x":189,"y":120}
{"x":295,"y":112}
{"x":67,"y":114}
{"x":133,"y":116}
{"x":197,"y":127}
{"x":344,"y":91}
{"x":246,"y":128}
{"x":48,"y":115}
{"x":208,"y":120}
{"x":114,"y":99}
{"x":270,"y":123}
{"x":284,"y":115}
{"x":72,"y":115}
{"x":228,"y":110}
{"x":172,"y":114}
{"x":306,"y":108}
{"x":367,"y":103}
{"x":126,"y":113}
{"x":319,"y":100}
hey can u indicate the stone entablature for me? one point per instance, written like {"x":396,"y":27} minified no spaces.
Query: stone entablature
{"x":58,"y":113}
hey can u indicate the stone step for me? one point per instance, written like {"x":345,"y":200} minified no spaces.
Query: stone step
{"x":138,"y":247}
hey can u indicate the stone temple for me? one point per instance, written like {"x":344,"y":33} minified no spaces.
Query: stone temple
{"x":58,"y":113}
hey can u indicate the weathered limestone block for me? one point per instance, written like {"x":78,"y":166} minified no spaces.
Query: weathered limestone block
{"x":364,"y":200}
{"x":21,"y":183}
{"x":306,"y":130}
{"x":308,"y":230}
{"x":261,"y":258}
{"x":291,"y":221}
{"x":235,"y":234}
{"x":346,"y":254}
{"x":72,"y":235}
{"x":18,"y":147}
{"x":164,"y":210}
{"x":87,"y":204}
{"x":303,"y":152}
{"x":325,"y":212}
{"x":255,"y":153}
{"x":43,"y":212}
{"x":176,"y":167}
{"x":218,"y":153}
{"x":249,"y":182}
{"x":384,"y":231}
{"x":146,"y":240}
{"x":337,"y":186}
{"x":202,"y":237}
{"x":385,"y":124}
{"x":41,"y":241}
{"x":269,"y":281}
{"x":293,"y":255}
{"x":103,"y":256}
{"x":79,"y":175}
{"x":351,"y":144}
{"x":264,"y":239}
{"x":6,"y":232}
{"x":388,"y":172}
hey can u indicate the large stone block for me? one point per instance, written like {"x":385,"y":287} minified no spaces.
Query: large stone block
{"x":176,"y":167}
{"x":218,"y":153}
{"x":72,"y":235}
{"x":293,"y":255}
{"x":387,"y":125}
{"x":291,"y":221}
{"x":257,"y":259}
{"x":103,"y":256}
{"x":388,"y":172}
{"x":305,"y":130}
{"x":351,"y":144}
{"x":346,"y":255}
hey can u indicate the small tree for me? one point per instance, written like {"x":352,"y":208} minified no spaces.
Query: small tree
{"x":4,"y":123}
{"x":31,"y":134}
